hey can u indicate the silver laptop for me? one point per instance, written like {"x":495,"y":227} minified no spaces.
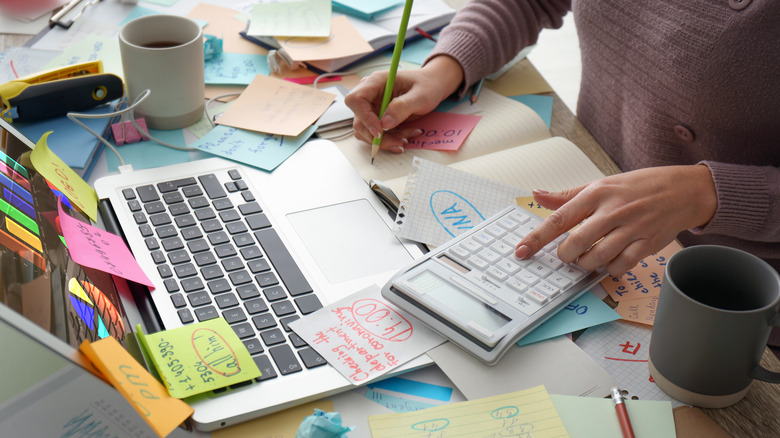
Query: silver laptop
{"x":219,"y":239}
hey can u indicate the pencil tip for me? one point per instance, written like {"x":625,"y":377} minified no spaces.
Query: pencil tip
{"x":372,"y":161}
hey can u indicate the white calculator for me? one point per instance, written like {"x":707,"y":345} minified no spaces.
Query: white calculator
{"x":476,"y":293}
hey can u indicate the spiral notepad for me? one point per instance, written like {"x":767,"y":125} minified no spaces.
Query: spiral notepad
{"x":439,"y":202}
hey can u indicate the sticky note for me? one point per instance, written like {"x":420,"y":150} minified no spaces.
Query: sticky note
{"x":200,"y":357}
{"x":92,"y":247}
{"x":149,"y":398}
{"x":64,"y":178}
{"x":441,"y":131}
{"x":644,"y":279}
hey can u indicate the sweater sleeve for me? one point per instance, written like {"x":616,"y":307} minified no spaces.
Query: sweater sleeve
{"x":486,"y":34}
{"x":748,"y":202}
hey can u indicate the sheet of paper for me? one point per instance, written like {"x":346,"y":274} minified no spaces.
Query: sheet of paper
{"x":644,"y":279}
{"x":590,"y":417}
{"x":222,"y":23}
{"x":440,"y":202}
{"x":586,"y":311}
{"x":441,"y":131}
{"x":344,"y":40}
{"x":641,"y":310}
{"x":417,"y":51}
{"x":264,"y":151}
{"x":282,"y":424}
{"x":542,"y":105}
{"x":621,"y":348}
{"x":305,"y":18}
{"x":556,"y":363}
{"x":235,"y":68}
{"x":18,"y":62}
{"x":149,"y":398}
{"x":276,"y":106}
{"x":150,"y":154}
{"x":92,"y":247}
{"x":513,"y":414}
{"x":199,"y":357}
{"x":91,"y":48}
{"x":64,"y":178}
{"x":363,"y":336}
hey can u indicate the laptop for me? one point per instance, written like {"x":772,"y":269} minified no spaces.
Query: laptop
{"x":261,"y":249}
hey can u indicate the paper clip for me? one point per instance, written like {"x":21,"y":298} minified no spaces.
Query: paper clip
{"x":59,"y":19}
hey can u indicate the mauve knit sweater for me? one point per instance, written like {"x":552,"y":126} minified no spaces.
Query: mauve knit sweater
{"x":663,"y":83}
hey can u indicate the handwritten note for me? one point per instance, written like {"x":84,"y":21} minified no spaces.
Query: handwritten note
{"x":524,"y":413}
{"x":363,"y":336}
{"x":200,"y":357}
{"x":300,"y":18}
{"x":92,"y":48}
{"x":133,"y":381}
{"x":92,"y":247}
{"x":440,"y":202}
{"x":644,"y":279}
{"x":344,"y":41}
{"x":276,"y":106}
{"x":641,"y":310}
{"x":235,"y":68}
{"x":264,"y":151}
{"x":51,"y":167}
{"x":441,"y":131}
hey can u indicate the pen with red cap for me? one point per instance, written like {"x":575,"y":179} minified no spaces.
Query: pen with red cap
{"x":622,"y":413}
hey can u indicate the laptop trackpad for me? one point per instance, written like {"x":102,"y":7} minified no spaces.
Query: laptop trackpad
{"x":349,"y":240}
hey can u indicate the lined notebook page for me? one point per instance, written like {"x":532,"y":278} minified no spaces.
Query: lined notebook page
{"x":551,"y":164}
{"x":505,"y":123}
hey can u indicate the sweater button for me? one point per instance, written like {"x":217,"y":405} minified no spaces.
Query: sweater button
{"x":684,"y":133}
{"x":739,"y":5}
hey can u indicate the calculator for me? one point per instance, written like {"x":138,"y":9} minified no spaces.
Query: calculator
{"x":474,"y":291}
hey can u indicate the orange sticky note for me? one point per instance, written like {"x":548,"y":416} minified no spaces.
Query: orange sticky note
{"x":644,"y":279}
{"x":149,"y":397}
{"x":641,"y":310}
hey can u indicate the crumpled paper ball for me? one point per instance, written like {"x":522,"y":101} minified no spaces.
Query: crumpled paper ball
{"x":323,"y":424}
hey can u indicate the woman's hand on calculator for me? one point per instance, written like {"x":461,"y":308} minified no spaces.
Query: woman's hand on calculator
{"x":629,"y":216}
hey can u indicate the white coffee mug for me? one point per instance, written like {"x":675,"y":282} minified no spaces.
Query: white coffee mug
{"x":164,"y":54}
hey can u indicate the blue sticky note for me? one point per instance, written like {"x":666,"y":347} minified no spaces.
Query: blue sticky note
{"x":150,"y":154}
{"x":363,"y":9}
{"x":235,"y":68}
{"x":261,"y":150}
{"x":417,"y":50}
{"x":542,"y":105}
{"x":397,"y":404}
{"x":413,"y":387}
{"x":586,"y":311}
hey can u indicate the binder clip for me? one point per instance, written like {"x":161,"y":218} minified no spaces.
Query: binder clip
{"x":126,"y":132}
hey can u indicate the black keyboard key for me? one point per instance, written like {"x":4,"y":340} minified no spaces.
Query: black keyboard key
{"x":264,"y":364}
{"x":253,"y":346}
{"x":226,"y":250}
{"x":288,"y":270}
{"x":206,"y":313}
{"x":211,"y":272}
{"x":169,"y":186}
{"x":248,"y":291}
{"x":287,"y":320}
{"x":228,"y":300}
{"x":204,"y":258}
{"x":164,"y":271}
{"x":166,"y":231}
{"x":272,"y":337}
{"x":154,"y":207}
{"x":218,"y":286}
{"x":146,"y":230}
{"x":134,"y":205}
{"x":211,"y":225}
{"x":199,"y":299}
{"x":178,"y":209}
{"x":256,"y":306}
{"x":240,"y":278}
{"x":229,"y":215}
{"x":212,"y":186}
{"x":283,"y":308}
{"x":285,"y":360}
{"x":250,"y":208}
{"x":218,"y":238}
{"x":265,"y":279}
{"x":258,"y":221}
{"x":222,"y":204}
{"x":185,"y":270}
{"x":263,"y":321}
{"x":232,"y":264}
{"x":158,"y":257}
{"x":177,"y":257}
{"x":197,"y":245}
{"x":243,"y":330}
{"x":185,"y":221}
{"x":297,"y":341}
{"x":172,"y":243}
{"x":311,"y":358}
{"x":171,"y":285}
{"x":274,"y":293}
{"x":178,"y":300}
{"x":242,"y":185}
{"x":151,"y":243}
{"x":308,"y":304}
{"x":243,"y":239}
{"x":147,"y":193}
{"x":139,"y":218}
{"x":191,"y":191}
{"x":234,"y":315}
{"x":173,"y":198}
{"x":128,"y":194}
{"x":248,"y":196}
{"x":234,"y":174}
{"x":185,"y":316}
{"x":236,"y":228}
{"x":198,"y":202}
{"x":258,"y":265}
{"x":204,"y":214}
{"x":241,"y":384}
{"x":191,"y":233}
{"x":192,"y":284}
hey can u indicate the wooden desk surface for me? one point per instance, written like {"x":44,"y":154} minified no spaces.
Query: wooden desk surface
{"x":758,"y":414}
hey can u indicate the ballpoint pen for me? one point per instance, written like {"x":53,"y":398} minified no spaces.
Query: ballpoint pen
{"x":622,"y":413}
{"x":399,"y":45}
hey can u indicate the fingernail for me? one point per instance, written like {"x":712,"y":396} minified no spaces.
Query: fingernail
{"x":388,"y":122}
{"x":522,"y":251}
{"x":540,"y":192}
{"x":416,"y":132}
{"x":375,"y":132}
{"x":398,"y":149}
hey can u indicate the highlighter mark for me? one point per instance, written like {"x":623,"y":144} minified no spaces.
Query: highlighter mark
{"x":23,"y":235}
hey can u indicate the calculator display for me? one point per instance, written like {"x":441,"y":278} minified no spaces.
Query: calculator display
{"x":461,"y":303}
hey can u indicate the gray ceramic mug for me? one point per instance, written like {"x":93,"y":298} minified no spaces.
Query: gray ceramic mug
{"x":715,"y":313}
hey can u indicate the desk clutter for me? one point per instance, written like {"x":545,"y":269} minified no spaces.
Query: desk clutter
{"x":236,"y":296}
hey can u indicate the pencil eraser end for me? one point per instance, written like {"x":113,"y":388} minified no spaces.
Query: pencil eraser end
{"x":129,"y":134}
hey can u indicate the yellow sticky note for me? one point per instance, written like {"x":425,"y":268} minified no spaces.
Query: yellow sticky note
{"x":149,"y":398}
{"x":200,"y":357}
{"x":528,"y":203}
{"x":51,"y":167}
{"x":641,"y":310}
{"x":644,"y":279}
{"x":523,"y":413}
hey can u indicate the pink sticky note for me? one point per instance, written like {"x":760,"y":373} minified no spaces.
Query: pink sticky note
{"x":441,"y":131}
{"x":98,"y":249}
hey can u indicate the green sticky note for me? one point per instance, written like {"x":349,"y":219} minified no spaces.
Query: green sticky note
{"x":198,"y":358}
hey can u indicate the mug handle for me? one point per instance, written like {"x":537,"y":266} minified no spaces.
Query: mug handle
{"x":761,"y":373}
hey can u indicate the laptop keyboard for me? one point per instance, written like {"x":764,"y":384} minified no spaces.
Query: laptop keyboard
{"x":219,"y":255}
